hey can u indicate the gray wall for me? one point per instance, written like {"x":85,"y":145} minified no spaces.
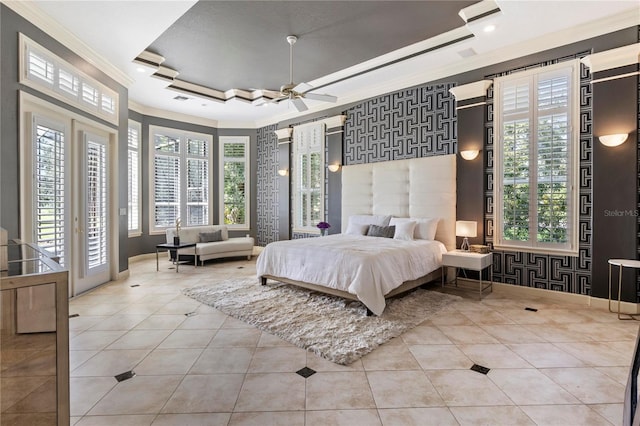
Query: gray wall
{"x":146,"y":243}
{"x":10,"y":25}
{"x":617,"y":212}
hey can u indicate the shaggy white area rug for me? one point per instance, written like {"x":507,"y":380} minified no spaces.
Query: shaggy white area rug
{"x":331,"y":327}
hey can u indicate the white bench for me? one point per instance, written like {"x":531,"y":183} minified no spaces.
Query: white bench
{"x":227,"y":247}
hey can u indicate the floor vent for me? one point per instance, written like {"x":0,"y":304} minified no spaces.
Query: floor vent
{"x":306,"y":372}
{"x":480,"y":369}
{"x":125,"y":376}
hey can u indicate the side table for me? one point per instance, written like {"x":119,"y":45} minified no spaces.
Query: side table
{"x":621,"y":264}
{"x":171,"y":248}
{"x":469,"y":260}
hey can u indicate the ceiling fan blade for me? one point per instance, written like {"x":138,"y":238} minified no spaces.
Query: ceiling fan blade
{"x":299,"y":104}
{"x":321,"y":97}
{"x":302,"y":87}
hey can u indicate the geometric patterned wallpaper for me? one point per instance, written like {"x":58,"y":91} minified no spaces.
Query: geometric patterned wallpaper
{"x":267,"y":199}
{"x":550,"y":272}
{"x":411,"y":123}
{"x":422,"y":121}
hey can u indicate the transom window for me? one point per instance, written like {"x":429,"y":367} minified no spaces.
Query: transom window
{"x":535,"y":194}
{"x":50,"y":74}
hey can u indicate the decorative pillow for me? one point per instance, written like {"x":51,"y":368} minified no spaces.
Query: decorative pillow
{"x":404,"y":230}
{"x":425,"y":228}
{"x":357,"y":229}
{"x":363,"y":219}
{"x":210,"y":237}
{"x":381,"y":231}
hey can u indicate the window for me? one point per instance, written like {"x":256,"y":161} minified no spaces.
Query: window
{"x":234,"y":181}
{"x":535,"y":195}
{"x":308,"y":177}
{"x":180,"y":178}
{"x":133,"y":207}
{"x":50,"y":74}
{"x":49,"y":177}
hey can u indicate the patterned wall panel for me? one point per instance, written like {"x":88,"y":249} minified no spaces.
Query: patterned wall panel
{"x":549,"y":272}
{"x":267,"y":199}
{"x":412,"y":123}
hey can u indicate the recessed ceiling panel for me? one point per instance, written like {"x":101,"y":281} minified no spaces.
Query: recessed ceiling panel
{"x":242,"y":44}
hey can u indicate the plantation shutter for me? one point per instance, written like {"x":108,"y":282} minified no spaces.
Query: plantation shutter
{"x":134,"y":178}
{"x":96,"y":231}
{"x":49,"y":177}
{"x":535,"y":159}
{"x":197,"y":182}
{"x":167,"y":180}
{"x":308,"y":141}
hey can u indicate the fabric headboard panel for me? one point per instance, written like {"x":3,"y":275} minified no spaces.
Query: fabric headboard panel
{"x":418,"y":187}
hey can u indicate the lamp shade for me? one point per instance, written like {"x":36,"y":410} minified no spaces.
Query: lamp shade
{"x":466,"y":228}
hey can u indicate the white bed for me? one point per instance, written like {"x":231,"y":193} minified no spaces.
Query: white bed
{"x":371,"y":269}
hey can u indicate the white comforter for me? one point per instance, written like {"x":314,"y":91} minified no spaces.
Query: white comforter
{"x":368,"y":267}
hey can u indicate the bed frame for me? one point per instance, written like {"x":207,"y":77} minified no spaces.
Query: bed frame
{"x":420,"y":187}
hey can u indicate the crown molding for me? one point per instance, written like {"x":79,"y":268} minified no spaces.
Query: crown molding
{"x":170,"y":115}
{"x":614,"y":58}
{"x":33,"y":14}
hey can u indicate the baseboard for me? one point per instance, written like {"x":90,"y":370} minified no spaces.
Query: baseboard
{"x":124,"y":274}
{"x":146,"y":256}
{"x":579,"y":299}
{"x":625,"y":307}
{"x":141,"y":257}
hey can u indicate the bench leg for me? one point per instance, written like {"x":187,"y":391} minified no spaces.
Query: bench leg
{"x":263,"y":281}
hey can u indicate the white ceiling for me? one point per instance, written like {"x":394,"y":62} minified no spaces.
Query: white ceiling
{"x":115,"y":32}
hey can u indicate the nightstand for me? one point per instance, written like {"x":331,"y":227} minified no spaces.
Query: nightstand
{"x":469,"y":260}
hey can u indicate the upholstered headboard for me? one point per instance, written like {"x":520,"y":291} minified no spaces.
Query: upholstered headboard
{"x":419,"y":187}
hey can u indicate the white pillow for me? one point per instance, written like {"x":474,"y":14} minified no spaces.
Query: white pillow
{"x":404,"y":230}
{"x":425,"y":228}
{"x":363,"y":219}
{"x":357,"y":229}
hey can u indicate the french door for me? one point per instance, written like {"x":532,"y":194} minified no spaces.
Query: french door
{"x":92,"y":210}
{"x":66,"y":195}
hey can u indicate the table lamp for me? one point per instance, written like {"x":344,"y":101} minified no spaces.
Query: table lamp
{"x":466,"y":229}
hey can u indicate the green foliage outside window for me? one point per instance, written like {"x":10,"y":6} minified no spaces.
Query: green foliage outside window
{"x":234,"y":193}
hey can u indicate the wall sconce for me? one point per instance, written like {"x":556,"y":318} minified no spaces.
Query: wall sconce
{"x":283,"y":172}
{"x":613,"y":140}
{"x":333,"y":167}
{"x":466,"y":228}
{"x":470,"y":154}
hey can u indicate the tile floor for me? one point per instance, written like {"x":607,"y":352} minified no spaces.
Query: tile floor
{"x":562,"y":365}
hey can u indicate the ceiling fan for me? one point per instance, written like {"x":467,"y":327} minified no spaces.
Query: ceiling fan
{"x":296,"y":92}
